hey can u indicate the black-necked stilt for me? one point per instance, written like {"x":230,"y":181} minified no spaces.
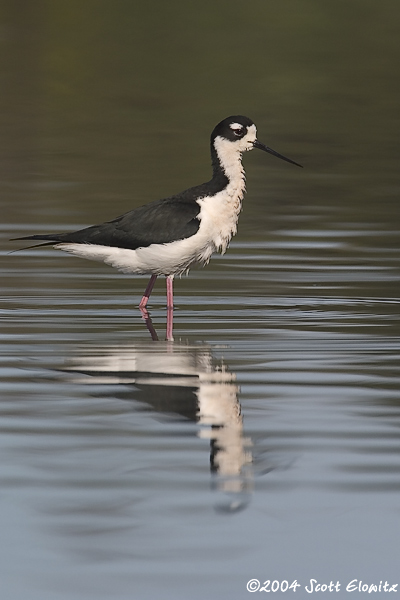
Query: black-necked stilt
{"x":168,"y":236}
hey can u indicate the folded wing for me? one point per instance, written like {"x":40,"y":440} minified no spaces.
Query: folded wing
{"x":159,"y":222}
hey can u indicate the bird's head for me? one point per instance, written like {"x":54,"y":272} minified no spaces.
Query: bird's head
{"x":238,"y":134}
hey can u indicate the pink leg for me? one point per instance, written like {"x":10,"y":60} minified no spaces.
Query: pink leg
{"x":170,"y":291}
{"x":147,"y":292}
{"x":170,"y":308}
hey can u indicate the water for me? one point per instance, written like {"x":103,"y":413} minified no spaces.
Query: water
{"x":263,"y":443}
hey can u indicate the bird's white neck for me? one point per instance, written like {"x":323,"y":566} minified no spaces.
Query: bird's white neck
{"x":230,"y":161}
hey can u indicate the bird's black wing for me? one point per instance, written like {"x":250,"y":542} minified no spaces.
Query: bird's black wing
{"x":159,"y":222}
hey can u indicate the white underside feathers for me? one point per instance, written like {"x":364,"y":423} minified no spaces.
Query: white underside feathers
{"x":157,"y":259}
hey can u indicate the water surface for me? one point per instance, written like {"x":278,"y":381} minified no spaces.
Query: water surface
{"x":262,"y":443}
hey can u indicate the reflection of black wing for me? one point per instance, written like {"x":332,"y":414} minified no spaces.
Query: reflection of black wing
{"x":159,"y":222}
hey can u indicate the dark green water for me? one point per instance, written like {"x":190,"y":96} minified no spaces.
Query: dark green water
{"x":264,"y":442}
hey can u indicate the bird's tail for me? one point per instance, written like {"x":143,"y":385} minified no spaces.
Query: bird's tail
{"x":52,"y":238}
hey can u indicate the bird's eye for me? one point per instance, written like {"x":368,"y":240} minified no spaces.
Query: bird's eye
{"x":239,"y":131}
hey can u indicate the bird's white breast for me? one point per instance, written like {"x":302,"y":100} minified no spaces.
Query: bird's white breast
{"x":219,"y":215}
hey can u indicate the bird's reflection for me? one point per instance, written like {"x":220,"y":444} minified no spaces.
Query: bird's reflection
{"x":185,"y":380}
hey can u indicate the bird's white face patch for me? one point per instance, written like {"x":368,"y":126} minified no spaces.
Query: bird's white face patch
{"x":247,"y":133}
{"x":251,"y":136}
{"x":235,"y":126}
{"x":246,"y":136}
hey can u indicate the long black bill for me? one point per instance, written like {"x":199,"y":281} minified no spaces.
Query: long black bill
{"x":261,"y":146}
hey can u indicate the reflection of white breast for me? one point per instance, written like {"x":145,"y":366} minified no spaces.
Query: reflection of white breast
{"x":220,"y":410}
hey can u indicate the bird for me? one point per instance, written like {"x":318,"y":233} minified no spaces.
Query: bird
{"x":167,"y":237}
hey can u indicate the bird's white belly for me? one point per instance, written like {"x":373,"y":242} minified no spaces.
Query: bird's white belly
{"x":159,"y":259}
{"x":218,"y":218}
